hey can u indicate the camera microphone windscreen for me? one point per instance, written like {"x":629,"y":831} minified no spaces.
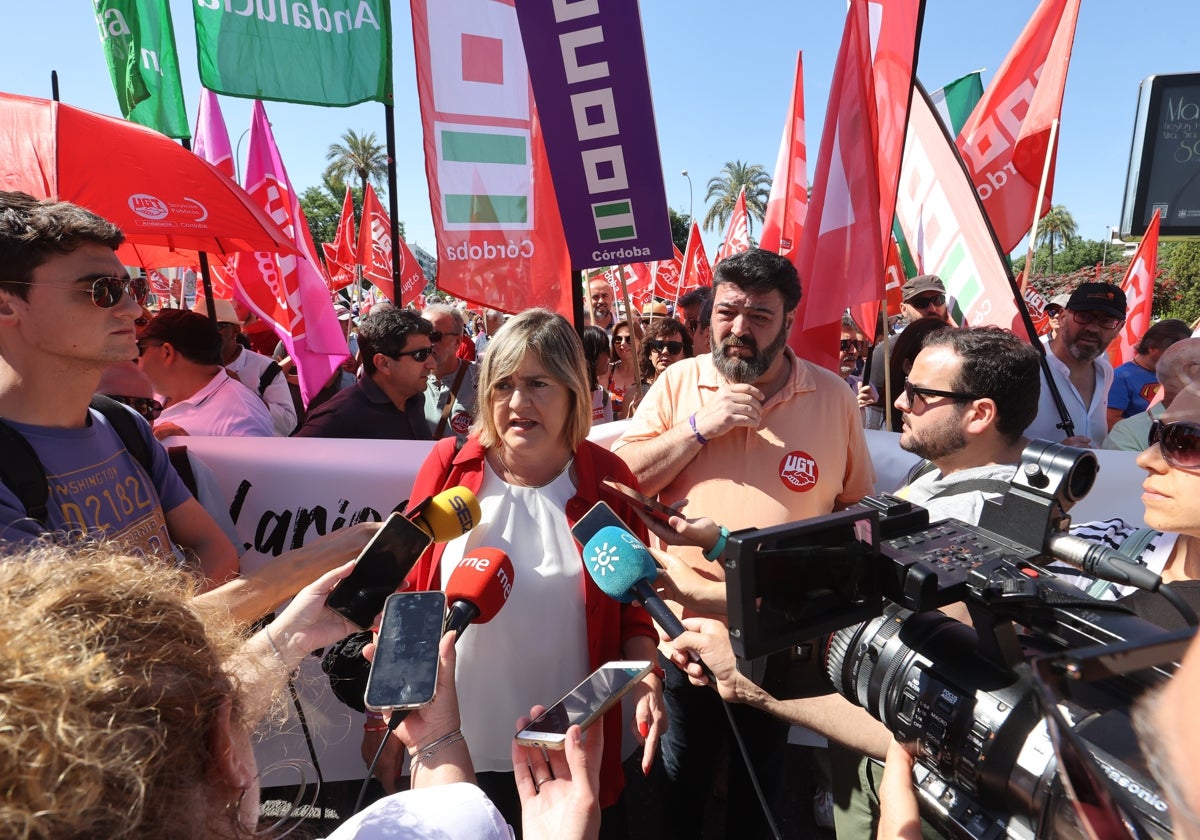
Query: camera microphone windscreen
{"x":478,"y":587}
{"x":621,"y":566}
{"x":447,"y":515}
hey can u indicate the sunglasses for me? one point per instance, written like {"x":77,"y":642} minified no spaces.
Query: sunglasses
{"x":106,"y":292}
{"x":911,"y":392}
{"x":1104,"y":322}
{"x":146,"y":406}
{"x":926,"y":302}
{"x":848,"y":344}
{"x":622,"y":339}
{"x":436,"y":336}
{"x":417,"y":355}
{"x":674,"y":348}
{"x":1178,"y":442}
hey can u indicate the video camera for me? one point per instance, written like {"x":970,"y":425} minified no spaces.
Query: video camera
{"x":963,"y":699}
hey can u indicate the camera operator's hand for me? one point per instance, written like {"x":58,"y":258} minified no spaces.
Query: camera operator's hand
{"x":709,"y":639}
{"x":899,"y":815}
{"x":677,"y":581}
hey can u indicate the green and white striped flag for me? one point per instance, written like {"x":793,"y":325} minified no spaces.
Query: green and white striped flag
{"x":955,"y":102}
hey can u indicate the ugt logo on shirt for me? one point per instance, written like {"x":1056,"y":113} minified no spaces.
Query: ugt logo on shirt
{"x":798,"y":471}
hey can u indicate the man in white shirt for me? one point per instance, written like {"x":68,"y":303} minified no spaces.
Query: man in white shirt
{"x":180,"y":352}
{"x":250,"y":368}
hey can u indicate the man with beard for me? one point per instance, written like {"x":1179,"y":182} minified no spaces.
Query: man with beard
{"x":1093,"y":317}
{"x":601,"y":295}
{"x":751,"y":436}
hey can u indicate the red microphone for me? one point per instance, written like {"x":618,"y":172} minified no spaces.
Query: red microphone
{"x":478,"y":587}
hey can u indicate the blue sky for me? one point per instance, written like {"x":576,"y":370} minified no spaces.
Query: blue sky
{"x":721,"y":74}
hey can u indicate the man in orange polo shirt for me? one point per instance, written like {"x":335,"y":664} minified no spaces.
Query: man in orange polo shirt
{"x":752,"y":436}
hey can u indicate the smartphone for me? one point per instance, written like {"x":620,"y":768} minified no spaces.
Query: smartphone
{"x":404,"y":672}
{"x":600,"y":516}
{"x":586,"y":703}
{"x":646,"y":504}
{"x":381,"y":568}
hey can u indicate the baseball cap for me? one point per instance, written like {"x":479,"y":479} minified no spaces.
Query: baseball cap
{"x":922,"y":283}
{"x":191,"y":333}
{"x":1098,"y":297}
{"x":1059,"y":300}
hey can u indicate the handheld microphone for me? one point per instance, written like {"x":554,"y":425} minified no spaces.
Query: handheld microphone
{"x":1100,"y":561}
{"x":623,"y":569}
{"x":447,"y":515}
{"x":477,"y":588}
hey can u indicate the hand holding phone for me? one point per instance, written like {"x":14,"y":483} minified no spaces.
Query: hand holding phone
{"x":404,"y":669}
{"x":380,"y":569}
{"x":646,"y":504}
{"x":585,"y":704}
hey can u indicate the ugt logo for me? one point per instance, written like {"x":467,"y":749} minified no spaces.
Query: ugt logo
{"x":798,"y":471}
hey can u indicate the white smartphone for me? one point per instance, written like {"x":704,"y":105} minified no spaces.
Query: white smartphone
{"x":585,"y":704}
{"x":404,"y":672}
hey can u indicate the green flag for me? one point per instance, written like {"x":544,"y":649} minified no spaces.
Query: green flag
{"x":139,"y":44}
{"x":315,"y":52}
{"x":955,"y":102}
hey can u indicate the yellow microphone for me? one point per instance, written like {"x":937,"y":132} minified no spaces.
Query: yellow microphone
{"x":447,"y":515}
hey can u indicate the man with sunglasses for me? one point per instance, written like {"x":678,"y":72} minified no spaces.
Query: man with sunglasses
{"x":388,"y":402}
{"x":1094,"y":315}
{"x":180,"y":351}
{"x":67,"y":311}
{"x":450,"y":397}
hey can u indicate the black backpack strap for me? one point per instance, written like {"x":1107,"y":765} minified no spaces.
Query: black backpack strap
{"x":183,"y":466}
{"x":127,"y":429}
{"x":974,"y":485}
{"x":22,"y":472}
{"x":268,"y":376}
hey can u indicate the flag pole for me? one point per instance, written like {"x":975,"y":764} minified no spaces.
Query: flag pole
{"x":1037,"y":207}
{"x":205,"y":273}
{"x":389,"y":116}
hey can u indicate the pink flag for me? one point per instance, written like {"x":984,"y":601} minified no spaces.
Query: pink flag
{"x":788,"y":203}
{"x":341,"y":256}
{"x":737,"y":235}
{"x":697,"y":271}
{"x":841,"y":256}
{"x":1138,"y":287}
{"x":288,"y":292}
{"x":211,"y":140}
{"x":1006,"y":139}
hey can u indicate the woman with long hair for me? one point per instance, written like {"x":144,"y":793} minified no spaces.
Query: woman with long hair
{"x":624,"y":374}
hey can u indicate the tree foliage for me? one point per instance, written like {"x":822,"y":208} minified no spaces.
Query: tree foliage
{"x":1056,"y":228}
{"x":359,"y":156}
{"x":723,"y":193}
{"x":681,"y":226}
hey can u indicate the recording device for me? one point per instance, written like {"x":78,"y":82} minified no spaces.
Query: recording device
{"x":585,"y":704}
{"x":404,"y":671}
{"x":478,"y":587}
{"x":646,"y":504}
{"x":962,"y":699}
{"x":390,"y":555}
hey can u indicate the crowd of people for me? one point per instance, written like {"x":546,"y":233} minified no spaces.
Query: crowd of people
{"x":131,"y":680}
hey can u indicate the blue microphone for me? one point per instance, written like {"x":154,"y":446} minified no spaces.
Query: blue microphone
{"x":622,"y":568}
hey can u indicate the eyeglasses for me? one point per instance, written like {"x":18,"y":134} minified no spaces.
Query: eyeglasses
{"x":674,"y":348}
{"x":416,"y":355}
{"x":1104,"y":322}
{"x":848,"y":344}
{"x":911,"y":392}
{"x":926,"y":302}
{"x":106,"y":292}
{"x":436,"y":336}
{"x":146,"y":406}
{"x":622,"y":339}
{"x":1178,"y":442}
{"x":143,"y":343}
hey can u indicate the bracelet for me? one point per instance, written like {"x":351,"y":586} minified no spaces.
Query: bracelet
{"x":423,"y":754}
{"x":373,"y":715}
{"x":659,"y":671}
{"x":378,"y":727}
{"x":692,"y":422}
{"x":275,"y":649}
{"x":719,"y":548}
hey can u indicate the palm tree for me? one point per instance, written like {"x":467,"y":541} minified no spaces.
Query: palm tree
{"x":359,"y":155}
{"x":1057,"y":227}
{"x":723,"y":191}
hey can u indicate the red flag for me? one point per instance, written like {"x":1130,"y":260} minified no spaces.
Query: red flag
{"x":737,"y":235}
{"x":1036,"y":306}
{"x":288,"y":292}
{"x":495,"y":214}
{"x":375,"y":243}
{"x":697,"y":271}
{"x":840,"y":256}
{"x":1006,"y":139}
{"x":666,"y":276}
{"x":866,"y":314}
{"x":159,"y":284}
{"x":1138,"y":287}
{"x":341,"y":256}
{"x":788,"y":203}
{"x":412,"y":278}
